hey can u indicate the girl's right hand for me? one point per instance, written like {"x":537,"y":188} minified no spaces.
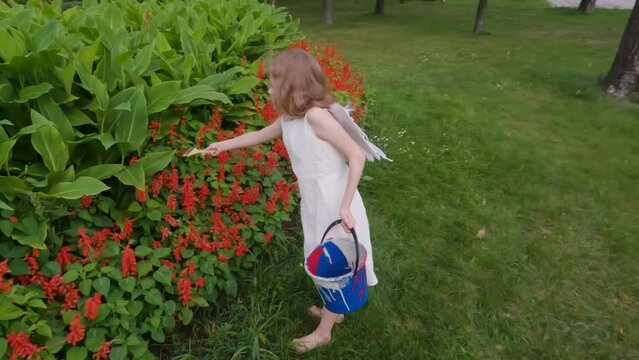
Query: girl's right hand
{"x":215,"y":148}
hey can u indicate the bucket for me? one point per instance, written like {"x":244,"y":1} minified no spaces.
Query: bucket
{"x":332,"y":267}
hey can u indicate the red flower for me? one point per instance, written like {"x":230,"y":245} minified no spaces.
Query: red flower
{"x":223,"y":258}
{"x":238,"y":169}
{"x":76,"y":330}
{"x":173,"y":182}
{"x":188,"y":196}
{"x":260,"y":69}
{"x":103,"y":351}
{"x":13,"y":219}
{"x":171,"y":220}
{"x":133,"y":160}
{"x":171,"y":202}
{"x":71,"y":297}
{"x":267,"y":237}
{"x":129,"y":263}
{"x":92,"y":306}
{"x":21,"y":345}
{"x":127,"y":231}
{"x":271,"y":205}
{"x":157,"y":244}
{"x":199,"y":283}
{"x":157,"y":184}
{"x":85,"y":202}
{"x":202,"y":194}
{"x":140,"y":195}
{"x":64,"y":257}
{"x":166,"y":232}
{"x":188,"y":270}
{"x":218,"y":201}
{"x":184,"y":291}
{"x":240,"y":250}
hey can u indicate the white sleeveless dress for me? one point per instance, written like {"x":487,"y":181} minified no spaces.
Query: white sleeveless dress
{"x":322,"y":173}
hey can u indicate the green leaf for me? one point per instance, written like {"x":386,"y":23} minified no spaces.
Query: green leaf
{"x":155,"y":215}
{"x":231,"y":287}
{"x":142,"y":251}
{"x":135,"y":307}
{"x":135,"y":207}
{"x":187,"y":253}
{"x":33,"y":92}
{"x":70,"y":276}
{"x":44,"y":330}
{"x":33,"y":240}
{"x":101,"y":172}
{"x":102,"y":285}
{"x":186,"y":315}
{"x":95,"y":339}
{"x":170,"y":307}
{"x":161,"y":253}
{"x":93,"y":85}
{"x":66,"y":75}
{"x":50,"y":145}
{"x":77,"y":117}
{"x":52,"y":112}
{"x":143,"y":59}
{"x":131,"y":127}
{"x":132,"y":175}
{"x":51,"y":268}
{"x":200,"y":301}
{"x":76,"y":353}
{"x":85,"y":287}
{"x":107,"y":140}
{"x":219,"y":81}
{"x":5,"y":150}
{"x":127,"y":284}
{"x":45,"y":35}
{"x":153,"y":297}
{"x":186,"y":96}
{"x":12,"y":185}
{"x":156,"y":161}
{"x":3,"y":347}
{"x":82,"y":186}
{"x":161,"y":96}
{"x":55,"y":344}
{"x":118,"y":353}
{"x":38,"y":304}
{"x":10,"y":46}
{"x":163,"y":275}
{"x":242,"y":85}
{"x":8,"y":311}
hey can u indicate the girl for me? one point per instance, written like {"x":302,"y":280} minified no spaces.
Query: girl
{"x":318,"y":147}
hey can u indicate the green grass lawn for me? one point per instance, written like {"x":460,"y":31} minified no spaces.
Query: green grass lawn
{"x":507,"y":131}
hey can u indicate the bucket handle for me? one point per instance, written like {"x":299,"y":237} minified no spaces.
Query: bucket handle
{"x":332,"y":225}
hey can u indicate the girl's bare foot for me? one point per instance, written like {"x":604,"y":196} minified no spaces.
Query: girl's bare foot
{"x":310,"y":342}
{"x":317,"y":312}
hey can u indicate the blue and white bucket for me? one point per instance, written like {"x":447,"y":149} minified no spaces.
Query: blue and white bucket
{"x":332,"y":267}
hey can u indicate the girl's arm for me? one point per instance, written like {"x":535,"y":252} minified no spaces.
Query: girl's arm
{"x":329,"y":130}
{"x":249,"y":139}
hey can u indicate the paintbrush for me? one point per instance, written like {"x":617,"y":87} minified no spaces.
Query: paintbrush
{"x":190,"y":152}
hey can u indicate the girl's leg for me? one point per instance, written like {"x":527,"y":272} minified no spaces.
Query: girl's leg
{"x":321,"y":335}
{"x":317,"y":312}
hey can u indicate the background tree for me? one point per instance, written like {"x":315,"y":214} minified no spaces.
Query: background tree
{"x":623,"y":76}
{"x":379,"y":7}
{"x":479,"y":18}
{"x":328,"y":12}
{"x":586,"y":6}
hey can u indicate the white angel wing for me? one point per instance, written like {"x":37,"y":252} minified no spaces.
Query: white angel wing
{"x":341,"y":114}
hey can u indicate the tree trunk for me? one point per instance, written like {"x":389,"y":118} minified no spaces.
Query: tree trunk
{"x":379,"y":7}
{"x":623,"y":76}
{"x":586,"y":6}
{"x":328,"y":12}
{"x":481,"y":14}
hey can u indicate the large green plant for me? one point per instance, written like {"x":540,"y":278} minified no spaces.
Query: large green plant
{"x":77,"y":89}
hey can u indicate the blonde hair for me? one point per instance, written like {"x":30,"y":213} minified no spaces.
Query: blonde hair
{"x":297,"y":83}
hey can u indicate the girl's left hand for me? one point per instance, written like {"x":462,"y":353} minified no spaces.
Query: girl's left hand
{"x":348,"y":222}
